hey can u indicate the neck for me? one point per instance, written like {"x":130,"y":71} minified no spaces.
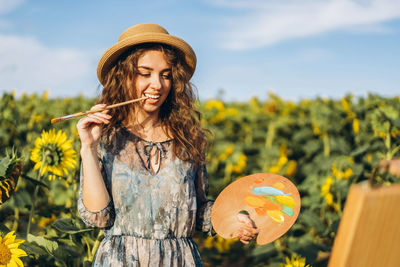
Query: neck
{"x":147,"y":126}
{"x":144,"y":120}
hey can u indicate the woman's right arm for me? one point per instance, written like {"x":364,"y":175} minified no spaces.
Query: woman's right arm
{"x":94,"y":199}
{"x":94,"y":192}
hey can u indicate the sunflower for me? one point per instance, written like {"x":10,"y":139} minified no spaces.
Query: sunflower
{"x":295,"y":261}
{"x":10,"y":170}
{"x":9,"y":251}
{"x":53,"y":153}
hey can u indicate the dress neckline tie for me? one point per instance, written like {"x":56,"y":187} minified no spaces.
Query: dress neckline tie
{"x":161,"y":153}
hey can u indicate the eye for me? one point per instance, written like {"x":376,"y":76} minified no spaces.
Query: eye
{"x":166,"y":76}
{"x":144,"y":74}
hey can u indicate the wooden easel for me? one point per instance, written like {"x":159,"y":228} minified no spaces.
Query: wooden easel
{"x":369,"y":231}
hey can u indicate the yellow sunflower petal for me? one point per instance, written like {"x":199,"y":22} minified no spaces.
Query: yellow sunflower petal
{"x":54,"y":142}
{"x":10,"y":234}
{"x":9,"y":240}
{"x":17,"y":252}
{"x":37,"y":166}
{"x":19,"y":262}
{"x":16,"y":242}
{"x":12,"y":263}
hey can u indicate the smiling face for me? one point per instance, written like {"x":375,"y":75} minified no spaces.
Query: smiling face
{"x":153,"y":80}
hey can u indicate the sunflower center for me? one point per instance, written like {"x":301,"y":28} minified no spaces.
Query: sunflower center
{"x":52,"y":155}
{"x":5,"y":254}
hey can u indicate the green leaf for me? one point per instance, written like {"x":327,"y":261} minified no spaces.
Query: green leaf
{"x":306,"y":249}
{"x":4,"y":230}
{"x":49,"y":245}
{"x":64,"y":252}
{"x":360,"y":150}
{"x":4,"y":163}
{"x":312,"y":220}
{"x":33,"y":249}
{"x":22,"y":199}
{"x":34,"y":181}
{"x":68,"y":226}
{"x":264,"y":251}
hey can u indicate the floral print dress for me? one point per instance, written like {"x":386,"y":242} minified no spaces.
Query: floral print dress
{"x":152,"y":214}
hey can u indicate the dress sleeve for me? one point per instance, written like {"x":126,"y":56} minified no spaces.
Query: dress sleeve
{"x":204,"y":205}
{"x":102,"y":218}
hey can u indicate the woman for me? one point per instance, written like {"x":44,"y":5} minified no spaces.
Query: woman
{"x":143,"y":175}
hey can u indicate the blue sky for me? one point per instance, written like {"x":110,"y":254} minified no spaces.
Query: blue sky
{"x":296,"y":49}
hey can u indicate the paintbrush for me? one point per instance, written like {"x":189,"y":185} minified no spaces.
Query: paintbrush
{"x":79,"y":114}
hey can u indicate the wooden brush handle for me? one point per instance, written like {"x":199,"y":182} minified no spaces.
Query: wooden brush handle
{"x":79,"y":114}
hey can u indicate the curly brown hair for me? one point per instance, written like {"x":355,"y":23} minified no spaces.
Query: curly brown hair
{"x":178,"y":113}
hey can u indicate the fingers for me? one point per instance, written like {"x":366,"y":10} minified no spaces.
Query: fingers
{"x":90,"y":120}
{"x":100,"y":106}
{"x":100,"y":118}
{"x":248,"y":230}
{"x":102,"y":114}
{"x":244,"y":236}
{"x":244,"y":241}
{"x":97,"y":118}
{"x":245,"y":219}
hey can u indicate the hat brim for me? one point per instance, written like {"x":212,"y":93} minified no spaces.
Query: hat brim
{"x":116,"y":50}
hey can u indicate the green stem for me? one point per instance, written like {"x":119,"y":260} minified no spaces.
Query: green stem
{"x":96,"y":245}
{"x":394,"y":151}
{"x":327,"y":147}
{"x":16,"y":219}
{"x":75,"y":188}
{"x":89,"y":256}
{"x":338,"y":195}
{"x":388,"y":145}
{"x":28,"y":229}
{"x":270,"y":135}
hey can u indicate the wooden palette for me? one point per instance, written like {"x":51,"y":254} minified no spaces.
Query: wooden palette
{"x":272,"y":201}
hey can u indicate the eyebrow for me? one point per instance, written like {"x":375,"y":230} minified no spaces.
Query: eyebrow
{"x":148,"y":68}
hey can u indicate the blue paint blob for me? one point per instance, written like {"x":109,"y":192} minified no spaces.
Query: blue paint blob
{"x":268,"y":190}
{"x":287,"y":210}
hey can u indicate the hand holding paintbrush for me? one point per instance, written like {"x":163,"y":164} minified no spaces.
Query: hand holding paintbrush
{"x":79,"y":114}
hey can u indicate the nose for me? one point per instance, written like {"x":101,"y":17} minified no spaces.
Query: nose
{"x":156,"y":81}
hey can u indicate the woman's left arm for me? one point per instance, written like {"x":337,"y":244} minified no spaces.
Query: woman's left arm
{"x":204,"y":205}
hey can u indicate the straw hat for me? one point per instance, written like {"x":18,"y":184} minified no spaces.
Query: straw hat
{"x":139,"y":34}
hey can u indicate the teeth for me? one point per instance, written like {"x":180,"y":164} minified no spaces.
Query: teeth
{"x":152,"y":96}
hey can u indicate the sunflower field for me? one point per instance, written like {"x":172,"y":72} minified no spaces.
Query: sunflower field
{"x":323,"y":145}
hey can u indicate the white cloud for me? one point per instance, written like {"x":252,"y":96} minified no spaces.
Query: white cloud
{"x":29,"y":66}
{"x":262,"y":23}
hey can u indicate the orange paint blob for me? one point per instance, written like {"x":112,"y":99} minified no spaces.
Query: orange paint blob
{"x":269,"y":205}
{"x":254,"y":201}
{"x":262,"y":211}
{"x":259,"y":180}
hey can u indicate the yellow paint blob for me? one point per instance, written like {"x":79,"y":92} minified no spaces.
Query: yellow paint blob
{"x":254,"y":201}
{"x":276,"y":215}
{"x":279,"y":186}
{"x":286,"y":200}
